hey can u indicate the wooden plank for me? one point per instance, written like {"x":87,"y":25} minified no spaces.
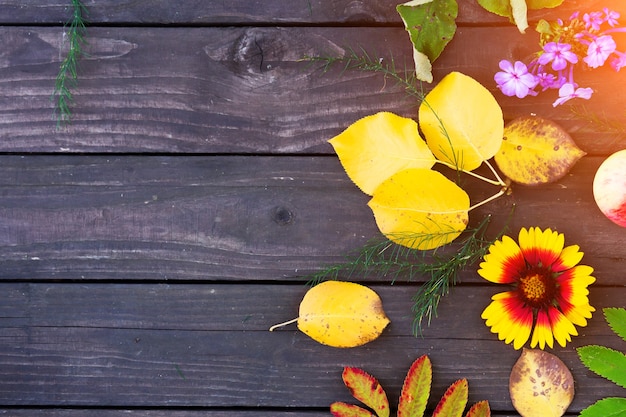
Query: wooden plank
{"x":160,"y":12}
{"x":121,"y":355}
{"x":256,"y":412}
{"x":235,"y":218}
{"x":244,"y":89}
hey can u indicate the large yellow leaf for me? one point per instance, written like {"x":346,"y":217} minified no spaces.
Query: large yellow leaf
{"x":540,"y":385}
{"x":536,"y":151}
{"x":462,"y":122}
{"x":375,"y":147}
{"x":342,"y":314}
{"x":420,"y":208}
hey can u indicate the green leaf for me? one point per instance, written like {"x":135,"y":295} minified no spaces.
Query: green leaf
{"x":516,"y":10}
{"x":416,"y":388}
{"x":604,"y":361}
{"x":616,"y":317}
{"x":453,"y":401}
{"x":340,"y":409}
{"x":431,"y":26}
{"x":366,"y":389}
{"x":606,"y":407}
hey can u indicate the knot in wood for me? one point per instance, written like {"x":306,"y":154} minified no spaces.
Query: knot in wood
{"x":282,"y":216}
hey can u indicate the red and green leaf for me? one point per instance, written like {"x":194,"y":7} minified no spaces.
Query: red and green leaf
{"x":480,"y":409}
{"x":366,"y":389}
{"x":453,"y":402}
{"x":341,"y":409}
{"x":416,"y":388}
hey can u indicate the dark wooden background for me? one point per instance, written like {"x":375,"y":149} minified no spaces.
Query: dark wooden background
{"x":146,"y":248}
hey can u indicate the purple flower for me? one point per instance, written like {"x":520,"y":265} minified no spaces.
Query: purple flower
{"x":611,"y":17}
{"x":599,"y":50}
{"x":593,"y":20}
{"x":515,"y":80}
{"x":569,"y":91}
{"x":559,"y":54}
{"x":619,"y":61}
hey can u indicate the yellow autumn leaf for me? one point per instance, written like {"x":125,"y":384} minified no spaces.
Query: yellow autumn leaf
{"x":540,"y":385}
{"x":536,"y":151}
{"x":342,"y":314}
{"x":420,"y":208}
{"x":375,"y":147}
{"x":462,"y":122}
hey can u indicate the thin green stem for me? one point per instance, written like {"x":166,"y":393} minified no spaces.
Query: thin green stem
{"x":67,"y":77}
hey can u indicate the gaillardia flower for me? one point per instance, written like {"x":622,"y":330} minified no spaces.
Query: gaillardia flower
{"x":549,"y":289}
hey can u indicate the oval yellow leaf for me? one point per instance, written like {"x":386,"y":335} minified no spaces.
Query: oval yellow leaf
{"x":540,"y":385}
{"x":342,"y":314}
{"x":462,"y":122}
{"x":536,"y":151}
{"x":420,"y":208}
{"x":375,"y":147}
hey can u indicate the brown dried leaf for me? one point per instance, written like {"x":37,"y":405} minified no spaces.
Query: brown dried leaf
{"x":536,"y":151}
{"x":540,"y":385}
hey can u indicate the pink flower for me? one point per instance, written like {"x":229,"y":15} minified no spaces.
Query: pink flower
{"x":599,"y":50}
{"x":611,"y":17}
{"x":559,"y":54}
{"x":593,"y":20}
{"x":569,"y":91}
{"x":515,"y":80}
{"x":619,"y":61}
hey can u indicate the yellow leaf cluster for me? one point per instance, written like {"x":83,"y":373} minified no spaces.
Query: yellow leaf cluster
{"x":385,"y":156}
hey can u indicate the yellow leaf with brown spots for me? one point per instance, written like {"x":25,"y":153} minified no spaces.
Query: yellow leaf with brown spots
{"x":420,"y":208}
{"x":342,"y":314}
{"x":536,"y":151}
{"x":540,"y":385}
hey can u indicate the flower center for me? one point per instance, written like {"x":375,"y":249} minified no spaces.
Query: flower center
{"x":537,"y":288}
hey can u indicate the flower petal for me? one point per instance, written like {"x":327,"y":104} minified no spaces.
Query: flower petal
{"x":573,"y":284}
{"x":570,"y":256}
{"x":503,"y":263}
{"x":509,"y":319}
{"x":542,"y":334}
{"x":562,"y":328}
{"x":541,"y":248}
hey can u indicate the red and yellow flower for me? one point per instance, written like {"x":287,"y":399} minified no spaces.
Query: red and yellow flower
{"x":549,"y":294}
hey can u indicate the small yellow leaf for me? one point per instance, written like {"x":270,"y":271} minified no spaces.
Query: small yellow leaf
{"x":540,"y":385}
{"x":423,"y":66}
{"x":375,"y":147}
{"x":536,"y":151}
{"x":462,"y":122}
{"x":519,"y":11}
{"x":420,"y":208}
{"x":342,"y":314}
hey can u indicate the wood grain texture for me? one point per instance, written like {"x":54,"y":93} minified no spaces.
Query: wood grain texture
{"x":281,"y":12}
{"x":245,"y":90}
{"x":158,"y":345}
{"x":235,"y":217}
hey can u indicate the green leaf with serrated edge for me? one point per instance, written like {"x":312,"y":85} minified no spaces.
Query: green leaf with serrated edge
{"x":453,"y":401}
{"x":416,"y":388}
{"x":341,"y":409}
{"x":480,"y":409}
{"x":431,"y":26}
{"x":366,"y":389}
{"x":604,"y":361}
{"x":606,"y":407}
{"x":616,"y":317}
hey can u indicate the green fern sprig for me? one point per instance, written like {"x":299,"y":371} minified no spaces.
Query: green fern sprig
{"x":364,"y":62}
{"x":384,"y":259}
{"x":67,"y":77}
